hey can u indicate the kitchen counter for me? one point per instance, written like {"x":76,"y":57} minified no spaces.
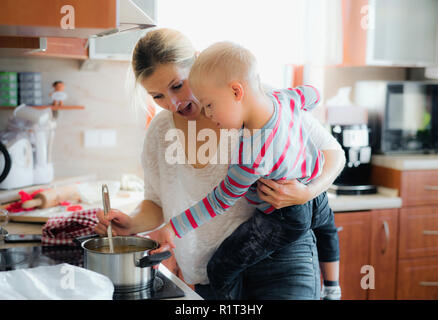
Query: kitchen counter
{"x":407,"y":162}
{"x":384,"y":199}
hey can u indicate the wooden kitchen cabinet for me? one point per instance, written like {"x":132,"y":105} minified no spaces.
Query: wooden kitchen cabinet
{"x":375,"y":32}
{"x":418,"y":279}
{"x":72,"y":18}
{"x":418,"y":232}
{"x":383,"y":253}
{"x":43,"y":17}
{"x":417,"y":257}
{"x":416,"y":187}
{"x":354,"y":246}
{"x":75,"y":48}
{"x":368,"y":238}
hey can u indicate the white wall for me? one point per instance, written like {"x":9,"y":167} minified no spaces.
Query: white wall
{"x":102,"y":92}
{"x":329,"y":79}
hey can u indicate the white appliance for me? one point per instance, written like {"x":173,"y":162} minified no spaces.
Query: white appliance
{"x":42,"y":130}
{"x":19,"y":160}
{"x":28,"y":140}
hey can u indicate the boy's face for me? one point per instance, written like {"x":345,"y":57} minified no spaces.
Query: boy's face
{"x":220,"y":105}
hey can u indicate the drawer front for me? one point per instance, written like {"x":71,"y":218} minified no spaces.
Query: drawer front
{"x":419,"y":188}
{"x":417,"y":279}
{"x":418,"y":232}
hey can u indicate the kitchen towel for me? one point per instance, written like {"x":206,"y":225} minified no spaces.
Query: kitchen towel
{"x":62,"y":230}
{"x":58,"y":282}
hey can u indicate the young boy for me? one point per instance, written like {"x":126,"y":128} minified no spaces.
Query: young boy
{"x":225,"y":81}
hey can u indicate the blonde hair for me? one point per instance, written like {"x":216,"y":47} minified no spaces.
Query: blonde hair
{"x":224,"y":62}
{"x":159,"y":46}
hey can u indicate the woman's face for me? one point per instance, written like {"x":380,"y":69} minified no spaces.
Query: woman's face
{"x":170,"y":89}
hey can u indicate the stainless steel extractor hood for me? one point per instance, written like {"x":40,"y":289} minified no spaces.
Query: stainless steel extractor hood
{"x":129,"y":17}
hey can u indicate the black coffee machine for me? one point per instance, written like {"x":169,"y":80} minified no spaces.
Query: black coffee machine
{"x":356,"y":176}
{"x":348,"y":126}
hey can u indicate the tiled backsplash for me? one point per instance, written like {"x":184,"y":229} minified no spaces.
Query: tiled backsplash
{"x":102,"y":93}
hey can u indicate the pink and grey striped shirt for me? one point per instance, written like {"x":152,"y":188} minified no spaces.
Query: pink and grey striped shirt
{"x":281,"y":150}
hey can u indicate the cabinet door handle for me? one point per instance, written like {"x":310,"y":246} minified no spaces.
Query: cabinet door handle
{"x":428,"y":283}
{"x":431,"y":188}
{"x":430,"y":232}
{"x":386,"y":229}
{"x":340,"y":229}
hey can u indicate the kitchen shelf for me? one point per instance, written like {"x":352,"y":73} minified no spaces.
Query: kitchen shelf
{"x":44,"y":107}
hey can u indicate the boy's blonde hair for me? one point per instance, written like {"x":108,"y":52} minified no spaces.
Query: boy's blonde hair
{"x":224,"y":62}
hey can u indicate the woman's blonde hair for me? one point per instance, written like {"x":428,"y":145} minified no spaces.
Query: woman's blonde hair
{"x":159,"y":46}
{"x":224,"y":62}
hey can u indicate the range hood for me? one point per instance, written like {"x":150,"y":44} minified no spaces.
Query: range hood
{"x":91,"y":18}
{"x":129,"y":17}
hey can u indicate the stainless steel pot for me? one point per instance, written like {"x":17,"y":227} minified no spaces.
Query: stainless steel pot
{"x":130,"y":271}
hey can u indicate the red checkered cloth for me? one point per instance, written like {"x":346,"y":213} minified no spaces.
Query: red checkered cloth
{"x":62,"y":230}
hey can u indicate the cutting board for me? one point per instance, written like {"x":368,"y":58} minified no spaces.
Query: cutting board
{"x":125,"y":201}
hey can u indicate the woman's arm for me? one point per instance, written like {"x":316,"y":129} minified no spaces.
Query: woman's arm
{"x":291,"y":192}
{"x":147,"y":216}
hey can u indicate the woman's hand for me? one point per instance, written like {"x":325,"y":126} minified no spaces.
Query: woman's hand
{"x":171,"y":264}
{"x":165,"y":237}
{"x":283,"y":193}
{"x":168,"y":237}
{"x":121,"y":223}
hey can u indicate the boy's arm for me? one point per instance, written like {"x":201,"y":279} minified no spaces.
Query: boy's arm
{"x":308,"y":97}
{"x":232,"y":188}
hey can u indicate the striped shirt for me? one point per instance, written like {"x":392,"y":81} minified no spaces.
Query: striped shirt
{"x":281,"y":150}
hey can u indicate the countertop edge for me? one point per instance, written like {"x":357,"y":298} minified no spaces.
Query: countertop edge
{"x":341,"y":203}
{"x":189,"y":293}
{"x":407,"y":162}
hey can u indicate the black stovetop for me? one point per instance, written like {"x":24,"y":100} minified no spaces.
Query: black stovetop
{"x":30,"y":257}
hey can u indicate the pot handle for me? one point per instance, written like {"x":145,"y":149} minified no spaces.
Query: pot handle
{"x":79,"y":240}
{"x":153,"y":259}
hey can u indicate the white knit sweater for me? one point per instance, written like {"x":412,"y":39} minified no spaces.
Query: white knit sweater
{"x":175,"y":187}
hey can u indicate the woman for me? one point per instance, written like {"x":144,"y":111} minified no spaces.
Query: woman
{"x":161,"y":63}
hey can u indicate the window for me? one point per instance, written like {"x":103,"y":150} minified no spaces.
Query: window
{"x":278,"y":32}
